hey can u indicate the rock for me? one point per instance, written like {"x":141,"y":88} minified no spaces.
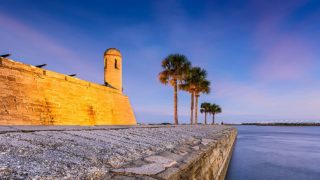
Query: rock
{"x":196,"y":148}
{"x":173,"y":155}
{"x":183,"y":153}
{"x":148,"y":169}
{"x":166,"y":162}
{"x":196,"y":141}
{"x":169,"y":146}
{"x":167,"y":173}
{"x":206,"y":141}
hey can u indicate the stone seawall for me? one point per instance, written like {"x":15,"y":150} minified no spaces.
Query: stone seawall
{"x":102,"y":152}
{"x":35,"y":96}
{"x":211,"y":162}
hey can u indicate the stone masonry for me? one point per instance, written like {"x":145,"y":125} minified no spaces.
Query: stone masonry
{"x":35,"y":96}
{"x":108,"y":152}
{"x":113,"y":68}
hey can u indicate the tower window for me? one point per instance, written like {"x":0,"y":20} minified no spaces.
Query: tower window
{"x":116,"y":64}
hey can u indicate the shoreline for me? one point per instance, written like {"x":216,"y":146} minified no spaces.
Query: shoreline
{"x":278,"y":124}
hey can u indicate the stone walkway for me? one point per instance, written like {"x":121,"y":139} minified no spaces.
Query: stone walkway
{"x":99,"y":152}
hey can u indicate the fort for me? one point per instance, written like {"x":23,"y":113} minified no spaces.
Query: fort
{"x":63,"y":134}
{"x":34,"y":96}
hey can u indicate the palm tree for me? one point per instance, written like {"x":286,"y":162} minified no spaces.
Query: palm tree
{"x":175,"y":67}
{"x":205,"y":108}
{"x":214,"y":109}
{"x":194,"y":75}
{"x":188,"y":87}
{"x":203,"y":86}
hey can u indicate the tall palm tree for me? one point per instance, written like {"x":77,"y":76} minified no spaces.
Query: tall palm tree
{"x":194,"y":75}
{"x":214,"y":109}
{"x":175,"y":67}
{"x":205,"y":108}
{"x":203,"y":86}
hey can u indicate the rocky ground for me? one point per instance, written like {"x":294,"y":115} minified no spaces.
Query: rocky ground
{"x":98,"y":152}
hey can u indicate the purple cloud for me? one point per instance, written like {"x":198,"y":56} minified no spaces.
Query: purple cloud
{"x":44,"y":43}
{"x":289,"y":59}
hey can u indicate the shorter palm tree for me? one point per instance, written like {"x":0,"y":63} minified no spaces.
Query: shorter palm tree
{"x":214,"y":109}
{"x":205,"y":108}
{"x":203,"y":86}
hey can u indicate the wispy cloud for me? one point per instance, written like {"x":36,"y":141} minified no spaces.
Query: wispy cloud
{"x":284,"y":54}
{"x":257,"y":101}
{"x":261,"y":55}
{"x":44,"y":44}
{"x":289,"y":59}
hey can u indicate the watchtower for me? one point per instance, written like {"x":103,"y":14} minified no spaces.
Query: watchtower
{"x":113,"y":68}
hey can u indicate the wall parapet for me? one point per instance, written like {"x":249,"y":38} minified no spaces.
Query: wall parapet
{"x":35,"y":96}
{"x":19,"y":66}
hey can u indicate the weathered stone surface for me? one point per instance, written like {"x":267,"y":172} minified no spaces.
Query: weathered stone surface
{"x":182,"y":153}
{"x":195,"y":147}
{"x":206,"y":141}
{"x":166,"y":162}
{"x":168,"y":173}
{"x":147,"y":152}
{"x":148,"y":169}
{"x":34,"y":96}
{"x":6,"y":128}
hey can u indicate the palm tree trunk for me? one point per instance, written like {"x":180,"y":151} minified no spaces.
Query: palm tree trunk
{"x":196,"y":110}
{"x":213,"y":118}
{"x":176,"y":122}
{"x":205,"y":118}
{"x":192,"y":106}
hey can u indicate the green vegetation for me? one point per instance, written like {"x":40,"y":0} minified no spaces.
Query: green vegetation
{"x":205,"y":108}
{"x":203,"y":86}
{"x":212,"y":109}
{"x":194,"y":83}
{"x":178,"y":72}
{"x":175,"y":68}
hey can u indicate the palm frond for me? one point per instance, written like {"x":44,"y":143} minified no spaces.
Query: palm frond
{"x":175,"y":68}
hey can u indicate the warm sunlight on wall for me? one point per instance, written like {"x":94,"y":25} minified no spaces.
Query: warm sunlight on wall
{"x":34,"y":96}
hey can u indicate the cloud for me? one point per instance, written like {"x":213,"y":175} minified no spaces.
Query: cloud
{"x":41,"y":41}
{"x":283,"y":53}
{"x":256,"y":101}
{"x":289,"y":59}
{"x":221,"y":37}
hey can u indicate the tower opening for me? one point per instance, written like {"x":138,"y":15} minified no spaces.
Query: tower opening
{"x":116,"y":64}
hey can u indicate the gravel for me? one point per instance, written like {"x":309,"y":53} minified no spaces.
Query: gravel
{"x":77,"y":153}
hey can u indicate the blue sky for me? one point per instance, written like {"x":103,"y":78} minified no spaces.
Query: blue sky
{"x":262,"y":56}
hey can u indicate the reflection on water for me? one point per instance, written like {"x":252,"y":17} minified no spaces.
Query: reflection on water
{"x":276,"y":153}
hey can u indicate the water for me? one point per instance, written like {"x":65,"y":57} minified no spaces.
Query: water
{"x":276,"y":153}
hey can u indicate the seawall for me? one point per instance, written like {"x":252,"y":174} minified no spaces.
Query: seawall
{"x":35,"y":96}
{"x":111,"y":152}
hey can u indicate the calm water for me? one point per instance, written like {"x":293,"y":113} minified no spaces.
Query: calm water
{"x":268,"y":153}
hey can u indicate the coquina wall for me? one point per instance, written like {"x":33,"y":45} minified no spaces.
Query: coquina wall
{"x":34,"y":96}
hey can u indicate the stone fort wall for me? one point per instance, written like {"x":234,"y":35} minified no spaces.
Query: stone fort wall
{"x":35,"y":96}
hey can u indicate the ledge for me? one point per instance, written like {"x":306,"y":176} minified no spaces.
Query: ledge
{"x":116,"y":152}
{"x":41,"y":72}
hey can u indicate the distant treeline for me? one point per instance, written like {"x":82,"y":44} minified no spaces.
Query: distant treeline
{"x":282,"y":124}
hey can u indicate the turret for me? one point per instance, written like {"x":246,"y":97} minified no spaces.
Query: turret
{"x":113,"y":69}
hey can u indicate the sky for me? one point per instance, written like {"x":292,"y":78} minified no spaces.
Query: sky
{"x":262,"y":56}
